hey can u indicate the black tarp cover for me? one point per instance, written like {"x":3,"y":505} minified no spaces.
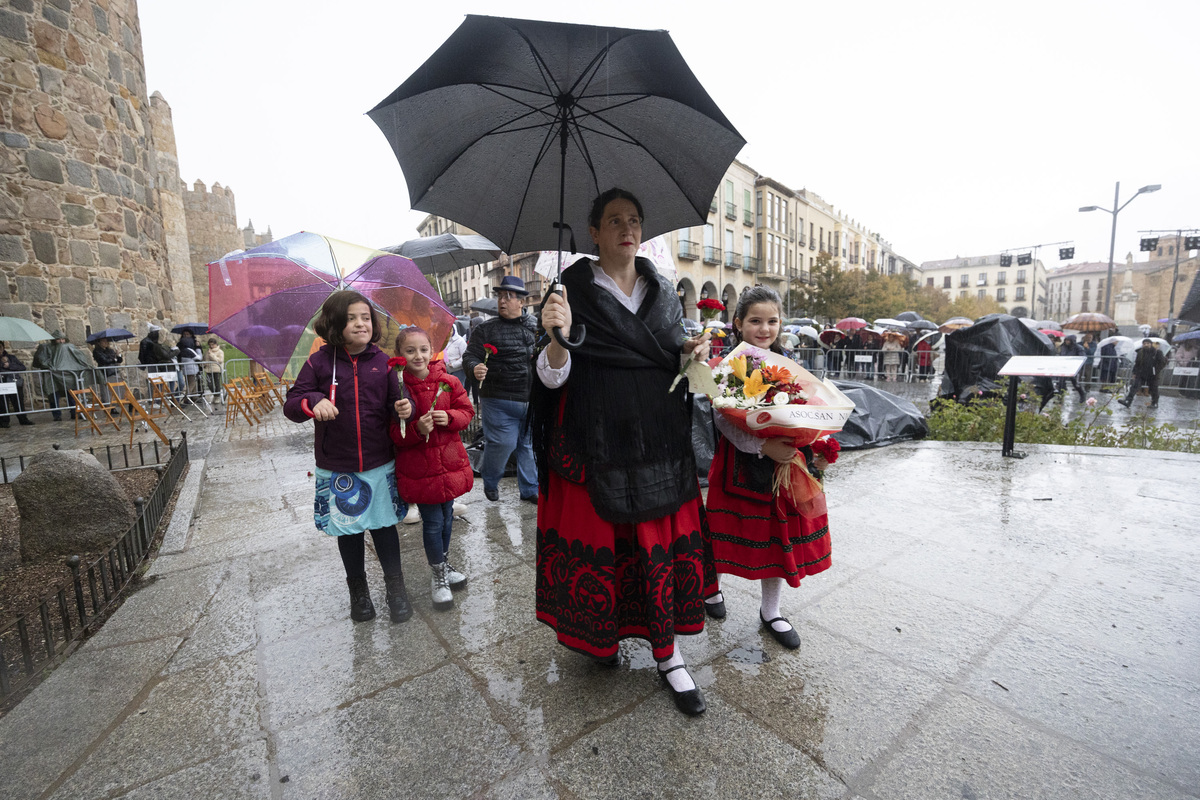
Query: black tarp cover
{"x":880,"y":418}
{"x":1190,"y":310}
{"x":975,"y":355}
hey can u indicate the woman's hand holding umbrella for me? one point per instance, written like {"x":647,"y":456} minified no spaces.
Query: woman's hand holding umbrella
{"x":556,"y":313}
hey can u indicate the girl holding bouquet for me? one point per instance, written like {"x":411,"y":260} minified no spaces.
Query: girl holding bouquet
{"x":431,"y":463}
{"x":622,"y":550}
{"x":759,"y":534}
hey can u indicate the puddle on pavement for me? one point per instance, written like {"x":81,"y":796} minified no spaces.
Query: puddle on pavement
{"x":747,"y":659}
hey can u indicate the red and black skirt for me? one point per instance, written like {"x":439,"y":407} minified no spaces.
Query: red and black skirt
{"x":599,"y":582}
{"x":756,"y":535}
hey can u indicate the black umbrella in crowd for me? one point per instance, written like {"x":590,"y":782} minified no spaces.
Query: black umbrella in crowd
{"x":512,"y":127}
{"x":112,"y":334}
{"x":908,"y":316}
{"x":447,"y":252}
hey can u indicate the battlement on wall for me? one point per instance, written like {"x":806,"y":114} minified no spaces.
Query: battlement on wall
{"x":217,"y":201}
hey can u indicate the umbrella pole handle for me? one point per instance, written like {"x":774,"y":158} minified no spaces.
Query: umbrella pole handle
{"x":580,"y":329}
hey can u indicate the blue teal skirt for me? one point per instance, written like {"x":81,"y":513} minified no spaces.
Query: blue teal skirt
{"x":354,"y":502}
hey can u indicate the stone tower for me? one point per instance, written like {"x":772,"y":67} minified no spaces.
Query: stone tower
{"x":212,"y":232}
{"x":82,"y":238}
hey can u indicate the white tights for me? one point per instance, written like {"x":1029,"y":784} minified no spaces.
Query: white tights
{"x":772,"y":590}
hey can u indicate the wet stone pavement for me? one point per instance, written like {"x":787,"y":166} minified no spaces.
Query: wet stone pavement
{"x":990,"y":628}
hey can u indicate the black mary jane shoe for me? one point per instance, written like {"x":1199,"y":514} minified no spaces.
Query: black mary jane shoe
{"x":608,"y":661}
{"x":789,"y":638}
{"x":690,"y":702}
{"x":715,"y":610}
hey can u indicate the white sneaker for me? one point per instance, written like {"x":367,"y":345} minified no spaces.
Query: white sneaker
{"x":413,"y":516}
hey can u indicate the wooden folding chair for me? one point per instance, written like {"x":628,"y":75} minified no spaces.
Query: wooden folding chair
{"x":162,"y":396}
{"x":88,"y":406}
{"x":236,"y":402}
{"x":255,"y":394}
{"x":264,"y":381}
{"x":133,"y":411}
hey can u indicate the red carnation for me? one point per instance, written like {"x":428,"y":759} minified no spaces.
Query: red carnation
{"x":491,"y":348}
{"x":399,"y":362}
{"x":710,"y":307}
{"x":827,"y":448}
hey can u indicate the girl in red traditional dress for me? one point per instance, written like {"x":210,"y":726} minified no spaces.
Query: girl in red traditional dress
{"x":756,"y":534}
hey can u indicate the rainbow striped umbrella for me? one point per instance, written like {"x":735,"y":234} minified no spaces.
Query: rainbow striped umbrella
{"x":264,"y":300}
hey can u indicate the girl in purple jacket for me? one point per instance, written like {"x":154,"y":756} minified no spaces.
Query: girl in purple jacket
{"x":347,"y":388}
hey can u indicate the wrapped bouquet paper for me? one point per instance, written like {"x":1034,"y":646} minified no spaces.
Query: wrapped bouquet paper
{"x":771,"y":396}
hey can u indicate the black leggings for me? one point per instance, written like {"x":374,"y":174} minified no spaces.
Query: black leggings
{"x":352,"y":548}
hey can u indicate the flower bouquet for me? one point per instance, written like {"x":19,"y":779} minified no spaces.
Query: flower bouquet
{"x":770,"y":396}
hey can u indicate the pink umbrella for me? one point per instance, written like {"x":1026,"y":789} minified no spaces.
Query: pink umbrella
{"x":851,"y":323}
{"x":831,"y":335}
{"x":1048,"y":332}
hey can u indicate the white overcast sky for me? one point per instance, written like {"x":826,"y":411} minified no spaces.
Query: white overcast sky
{"x":951,"y":128}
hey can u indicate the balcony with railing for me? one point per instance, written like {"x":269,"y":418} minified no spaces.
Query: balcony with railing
{"x":730,"y":211}
{"x":712,"y":255}
{"x":712,"y":207}
{"x":812,"y":244}
{"x":750,"y":263}
{"x":733,"y":260}
{"x":747,"y":217}
{"x":689,"y":250}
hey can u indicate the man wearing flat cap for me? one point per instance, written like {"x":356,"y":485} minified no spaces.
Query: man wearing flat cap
{"x":500,"y":358}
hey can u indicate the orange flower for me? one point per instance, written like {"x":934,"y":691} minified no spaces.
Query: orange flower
{"x":776,"y":374}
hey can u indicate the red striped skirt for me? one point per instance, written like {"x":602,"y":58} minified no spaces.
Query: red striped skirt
{"x":600,"y":582}
{"x":755,"y":536}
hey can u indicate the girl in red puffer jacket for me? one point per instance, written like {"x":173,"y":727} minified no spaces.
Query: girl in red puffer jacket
{"x":431,"y":463}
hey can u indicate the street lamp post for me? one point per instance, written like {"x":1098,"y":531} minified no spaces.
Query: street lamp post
{"x":1112,"y":243}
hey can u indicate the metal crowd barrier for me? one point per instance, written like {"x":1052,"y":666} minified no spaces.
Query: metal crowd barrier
{"x":41,"y":390}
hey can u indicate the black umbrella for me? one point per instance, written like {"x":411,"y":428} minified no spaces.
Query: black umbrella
{"x":446,"y":253}
{"x":112,"y":334}
{"x":908,"y":316}
{"x":512,"y":125}
{"x":486,"y":305}
{"x":921,"y":325}
{"x":197,"y":328}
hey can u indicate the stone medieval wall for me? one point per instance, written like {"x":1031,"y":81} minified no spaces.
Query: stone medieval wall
{"x":82,"y":238}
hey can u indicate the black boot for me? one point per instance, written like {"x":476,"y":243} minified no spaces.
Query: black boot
{"x":361,"y":607}
{"x":397,"y":598}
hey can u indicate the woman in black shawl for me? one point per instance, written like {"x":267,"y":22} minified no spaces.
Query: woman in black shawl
{"x":623,"y":549}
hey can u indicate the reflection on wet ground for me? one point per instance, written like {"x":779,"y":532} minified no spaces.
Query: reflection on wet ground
{"x":989,"y":628}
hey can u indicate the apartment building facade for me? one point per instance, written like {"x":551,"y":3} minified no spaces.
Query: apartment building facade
{"x":1020,"y":288}
{"x":1075,"y":288}
{"x":757,"y":231}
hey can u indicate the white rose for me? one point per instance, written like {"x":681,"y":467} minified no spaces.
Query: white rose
{"x":781,"y":399}
{"x":723,"y":402}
